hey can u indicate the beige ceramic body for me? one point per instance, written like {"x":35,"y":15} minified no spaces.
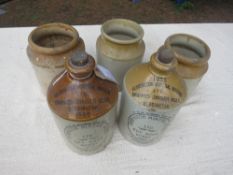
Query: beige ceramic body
{"x":120,"y":54}
{"x":141,"y":126}
{"x":88,"y":137}
{"x":151,"y":98}
{"x":49,"y":61}
{"x":192,"y":55}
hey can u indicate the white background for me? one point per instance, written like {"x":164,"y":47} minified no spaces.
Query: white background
{"x":198,"y":142}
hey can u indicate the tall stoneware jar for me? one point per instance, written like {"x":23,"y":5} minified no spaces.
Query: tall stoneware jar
{"x":83,"y":100}
{"x":120,"y":46}
{"x":153,"y":93}
{"x":192,"y":55}
{"x":48,"y":46}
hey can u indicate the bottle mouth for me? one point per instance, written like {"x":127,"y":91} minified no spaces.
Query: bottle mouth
{"x":163,"y":60}
{"x":122,"y":31}
{"x":188,"y":49}
{"x":53,"y":38}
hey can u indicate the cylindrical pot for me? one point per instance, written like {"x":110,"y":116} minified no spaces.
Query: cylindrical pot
{"x":192,"y":55}
{"x":83,"y":100}
{"x":120,"y":46}
{"x":153,"y":93}
{"x":48,"y":46}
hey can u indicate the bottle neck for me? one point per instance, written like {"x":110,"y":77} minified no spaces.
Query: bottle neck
{"x":157,"y":67}
{"x":81,"y":77}
{"x":80,"y":66}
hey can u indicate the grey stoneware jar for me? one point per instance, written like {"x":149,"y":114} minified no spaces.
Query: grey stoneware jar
{"x":120,"y":46}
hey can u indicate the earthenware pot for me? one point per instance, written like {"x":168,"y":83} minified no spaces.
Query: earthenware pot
{"x":192,"y":55}
{"x":48,"y":47}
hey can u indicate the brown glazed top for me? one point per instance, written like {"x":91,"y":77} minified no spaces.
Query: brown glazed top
{"x":156,"y":85}
{"x":78,"y":93}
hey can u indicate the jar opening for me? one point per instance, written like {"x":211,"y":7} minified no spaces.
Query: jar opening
{"x":122,"y":35}
{"x":122,"y":31}
{"x":189,"y":48}
{"x":53,"y":38}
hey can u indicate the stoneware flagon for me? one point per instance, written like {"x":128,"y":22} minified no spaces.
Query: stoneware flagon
{"x":192,"y":55}
{"x":48,"y":47}
{"x":120,"y":46}
{"x":153,"y":93}
{"x":83,"y":100}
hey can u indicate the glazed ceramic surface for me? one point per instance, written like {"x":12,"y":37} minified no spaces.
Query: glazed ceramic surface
{"x":153,"y":93}
{"x":192,"y":54}
{"x":83,"y":99}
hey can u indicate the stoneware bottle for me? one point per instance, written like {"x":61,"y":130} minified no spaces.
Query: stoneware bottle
{"x":153,"y":93}
{"x":83,"y":99}
{"x":120,"y":46}
{"x":192,"y":55}
{"x":48,"y":46}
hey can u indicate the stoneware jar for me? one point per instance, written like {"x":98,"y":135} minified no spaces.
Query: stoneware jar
{"x":153,"y":93}
{"x":192,"y":54}
{"x":83,"y":100}
{"x":120,"y":46}
{"x":48,"y":46}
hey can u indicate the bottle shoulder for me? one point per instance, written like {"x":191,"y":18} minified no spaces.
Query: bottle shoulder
{"x":81,"y":100}
{"x":154,"y":90}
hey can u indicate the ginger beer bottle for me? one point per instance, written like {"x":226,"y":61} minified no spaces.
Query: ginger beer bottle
{"x":83,"y":99}
{"x":153,"y":93}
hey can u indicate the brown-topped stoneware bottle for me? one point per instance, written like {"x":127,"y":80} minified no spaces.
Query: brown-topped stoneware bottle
{"x":153,"y":93}
{"x":48,"y":47}
{"x":83,"y":99}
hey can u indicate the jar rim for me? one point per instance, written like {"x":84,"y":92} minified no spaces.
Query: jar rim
{"x":189,"y":41}
{"x":126,"y":26}
{"x":56,"y":28}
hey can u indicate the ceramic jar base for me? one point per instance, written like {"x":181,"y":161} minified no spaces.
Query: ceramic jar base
{"x":191,"y":85}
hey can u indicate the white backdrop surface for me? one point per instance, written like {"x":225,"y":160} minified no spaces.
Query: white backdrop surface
{"x":198,"y":142}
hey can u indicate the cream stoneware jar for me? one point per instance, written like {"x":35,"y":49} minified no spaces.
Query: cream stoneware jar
{"x":120,"y":46}
{"x":48,"y":47}
{"x":192,"y":55}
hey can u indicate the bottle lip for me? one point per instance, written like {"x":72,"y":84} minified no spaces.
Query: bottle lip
{"x":156,"y":64}
{"x":192,"y":42}
{"x":82,"y":71}
{"x":126,"y":26}
{"x":49,"y":29}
